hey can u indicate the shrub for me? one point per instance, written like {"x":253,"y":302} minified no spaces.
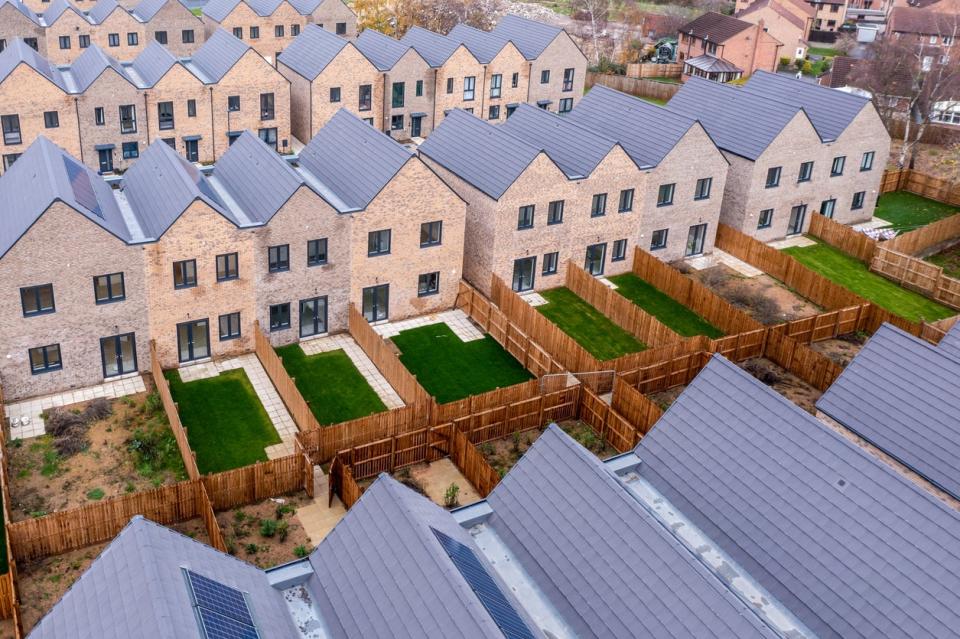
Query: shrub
{"x":451,"y":498}
{"x":71,"y":443}
{"x":97,"y":409}
{"x":300,"y":552}
{"x":251,"y":549}
{"x":764,"y":309}
{"x":283,"y":528}
{"x":96,"y":494}
{"x":284,"y":509}
{"x":515,"y":443}
{"x":152,"y":405}
{"x":714,"y":278}
{"x":155,"y":449}
{"x":239,"y":515}
{"x":268,"y":527}
{"x":784,"y":61}
{"x":231,"y":545}
{"x":59,"y":421}
{"x":807,"y":68}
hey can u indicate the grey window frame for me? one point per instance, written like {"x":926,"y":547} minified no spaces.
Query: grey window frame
{"x":655,"y":246}
{"x":375,"y":242}
{"x":5,"y":121}
{"x":132,"y":121}
{"x":335,"y":95}
{"x":230,"y":319}
{"x":521,"y":216}
{"x":99,"y":116}
{"x":184,"y":36}
{"x":805,"y":176}
{"x":34,"y":291}
{"x":396,"y":122}
{"x":515,"y":80}
{"x":544,"y":76}
{"x":670,"y":193}
{"x":47,"y":367}
{"x":317,"y":325}
{"x":130,"y":150}
{"x":833,"y":207}
{"x":314,"y":248}
{"x":776,"y":172}
{"x":112,"y":295}
{"x":428,"y":291}
{"x":160,"y":37}
{"x":565,"y":105}
{"x":294,"y":30}
{"x":181,"y":270}
{"x":833,"y":166}
{"x":279,"y":326}
{"x":340,"y":28}
{"x":418,"y":89}
{"x":83,"y":41}
{"x":268,"y":106}
{"x":469,"y":88}
{"x":496,"y":85}
{"x":551,"y":263}
{"x":191,"y":108}
{"x":398,"y":94}
{"x":625,"y":201}
{"x":133,"y":39}
{"x":254,"y":31}
{"x":493,"y":113}
{"x":568,"y":81}
{"x":278,"y":258}
{"x":449,"y":86}
{"x":769,"y":220}
{"x":598,"y":205}
{"x":698,"y":193}
{"x":866,"y":161}
{"x":113,"y":39}
{"x":228,"y":273}
{"x":64,"y":40}
{"x":854,"y":204}
{"x":619,"y":251}
{"x":51,"y":119}
{"x":278,"y":31}
{"x":427,"y":230}
{"x":165,"y":121}
{"x":555,"y":212}
{"x":233,"y":103}
{"x":365,"y":97}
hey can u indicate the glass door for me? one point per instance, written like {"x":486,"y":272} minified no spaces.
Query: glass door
{"x":415,"y":126}
{"x":313,"y":316}
{"x":118,"y":354}
{"x":596,"y":256}
{"x":523,"y":273}
{"x":695,"y":239}
{"x":193,"y":150}
{"x":797,"y":216}
{"x":193,"y":340}
{"x":106,"y":160}
{"x":376,"y":302}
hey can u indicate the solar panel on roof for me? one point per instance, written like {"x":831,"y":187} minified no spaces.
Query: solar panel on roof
{"x":222,"y":610}
{"x":486,"y":589}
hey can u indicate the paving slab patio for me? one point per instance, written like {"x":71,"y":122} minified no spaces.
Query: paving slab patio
{"x":534,"y":299}
{"x":343,"y":341}
{"x":790,"y":242}
{"x":721,"y":257}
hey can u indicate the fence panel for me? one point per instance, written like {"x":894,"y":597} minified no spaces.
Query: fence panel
{"x":286,"y":386}
{"x":611,"y":427}
{"x":210,"y":519}
{"x":9,"y":594}
{"x":817,"y":370}
{"x":472,"y":463}
{"x":173,"y":415}
{"x":635,"y":407}
{"x":323,"y":444}
{"x":843,"y":237}
{"x":921,"y":184}
{"x":256,"y":482}
{"x":937,"y":234}
{"x":916,"y":275}
{"x":634,"y":86}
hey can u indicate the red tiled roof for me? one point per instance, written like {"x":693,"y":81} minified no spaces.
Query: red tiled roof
{"x":715,"y":26}
{"x":923,"y":21}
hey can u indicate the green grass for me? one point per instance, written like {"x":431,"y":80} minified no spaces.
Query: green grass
{"x":592,"y":330}
{"x":855,"y":276}
{"x":824,"y":51}
{"x":226,"y":424}
{"x":451,"y":369}
{"x":906,"y":211}
{"x":331,"y":384}
{"x":197,"y":12}
{"x":653,"y":100}
{"x":666,"y":309}
{"x":948,"y":260}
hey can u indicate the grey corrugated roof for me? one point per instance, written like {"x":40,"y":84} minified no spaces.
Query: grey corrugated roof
{"x":381,"y":50}
{"x":902,"y":394}
{"x":353,"y":159}
{"x":723,"y":110}
{"x":434,"y":48}
{"x":530,"y":36}
{"x":44,"y":174}
{"x":18,"y":52}
{"x":648,"y":132}
{"x":576,"y":150}
{"x":57,"y":9}
{"x":709,"y":63}
{"x":153,"y":63}
{"x":90,"y":64}
{"x":146,"y":9}
{"x":22,"y":8}
{"x":136,"y":588}
{"x":382,"y":573}
{"x":483,"y":45}
{"x":256,"y":177}
{"x":852,"y":548}
{"x":218,"y":55}
{"x":608,"y":566}
{"x":830,"y":110}
{"x":218,"y":10}
{"x":160,"y":186}
{"x":312,"y":50}
{"x":950,"y":344}
{"x":99,"y":12}
{"x":486,"y":156}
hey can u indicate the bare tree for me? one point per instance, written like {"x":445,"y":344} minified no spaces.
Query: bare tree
{"x":594,"y":14}
{"x":443,"y":15}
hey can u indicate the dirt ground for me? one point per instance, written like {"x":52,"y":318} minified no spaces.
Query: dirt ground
{"x":503,"y":453}
{"x":44,"y":480}
{"x":664,"y":399}
{"x":244,"y":528}
{"x":933,"y":159}
{"x":765,"y":299}
{"x":434,"y":480}
{"x":784,"y":382}
{"x":842,"y":349}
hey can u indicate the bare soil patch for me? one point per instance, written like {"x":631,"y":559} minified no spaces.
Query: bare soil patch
{"x":784,"y":382}
{"x":842,"y":349}
{"x":933,"y":159}
{"x":664,"y":399}
{"x":43,"y":582}
{"x":268,"y":533}
{"x":764,"y":298}
{"x":92,"y":451}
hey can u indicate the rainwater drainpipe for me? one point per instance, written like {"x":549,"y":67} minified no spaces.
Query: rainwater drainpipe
{"x":76,"y":106}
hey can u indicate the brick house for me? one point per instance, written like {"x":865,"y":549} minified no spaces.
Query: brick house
{"x":789,"y":21}
{"x":18,"y":21}
{"x":333,"y":15}
{"x":268,"y":25}
{"x":824,"y":15}
{"x":172,"y":24}
{"x":327,"y":73}
{"x":809,"y":150}
{"x":506,"y":74}
{"x":68,"y":31}
{"x":723,"y":48}
{"x":408,"y":87}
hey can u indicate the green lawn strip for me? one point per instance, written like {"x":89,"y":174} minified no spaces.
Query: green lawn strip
{"x":906,"y":211}
{"x":592,"y":330}
{"x":855,"y":276}
{"x":666,"y":309}
{"x":949,"y":261}
{"x":451,"y":369}
{"x":824,"y":51}
{"x":656,"y":101}
{"x":331,"y":384}
{"x":226,"y":424}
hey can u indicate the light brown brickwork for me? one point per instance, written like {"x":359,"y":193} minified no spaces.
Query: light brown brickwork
{"x":504,"y":65}
{"x":14,"y":24}
{"x":173,"y":19}
{"x":460,"y":65}
{"x":331,"y":13}
{"x":111,"y":91}
{"x":72,"y":26}
{"x":411,"y":69}
{"x":865,"y":134}
{"x":179,"y":86}
{"x":561,"y":54}
{"x":751,"y":49}
{"x":267,"y":43}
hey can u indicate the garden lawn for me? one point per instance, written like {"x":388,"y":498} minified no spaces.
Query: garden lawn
{"x":666,"y":309}
{"x":451,"y":369}
{"x":855,"y":276}
{"x":591,"y":328}
{"x":227,"y":426}
{"x":331,"y":384}
{"x":824,"y":51}
{"x":948,"y":260}
{"x":906,"y":211}
{"x":656,"y":101}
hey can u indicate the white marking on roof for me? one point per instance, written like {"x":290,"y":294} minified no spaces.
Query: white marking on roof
{"x":69,"y":81}
{"x":229,"y":202}
{"x":195,"y":70}
{"x":304,"y":613}
{"x":325,"y":191}
{"x":134,"y":76}
{"x":130,"y":218}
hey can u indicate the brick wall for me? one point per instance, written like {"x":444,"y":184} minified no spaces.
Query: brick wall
{"x":14,"y":24}
{"x":179,"y":86}
{"x":410,"y":69}
{"x":331,"y":12}
{"x":560,"y":54}
{"x":348,"y":71}
{"x":110,"y":91}
{"x":268,"y":44}
{"x":458,"y":66}
{"x":174,"y":18}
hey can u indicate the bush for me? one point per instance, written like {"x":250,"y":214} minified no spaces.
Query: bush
{"x":155,"y":449}
{"x":784,"y":61}
{"x":268,"y":527}
{"x":152,"y":405}
{"x":451,"y":498}
{"x":284,"y":509}
{"x":807,"y":68}
{"x":71,"y":443}
{"x":283,"y":528}
{"x":97,"y":409}
{"x":714,"y":278}
{"x":96,"y":494}
{"x":251,"y":549}
{"x":300,"y":552}
{"x":763,"y":309}
{"x":60,"y":422}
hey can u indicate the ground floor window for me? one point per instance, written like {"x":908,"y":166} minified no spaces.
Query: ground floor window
{"x":44,"y":359}
{"x":313,"y":316}
{"x":428,"y":284}
{"x":279,"y":317}
{"x":619,"y":251}
{"x":550,"y":261}
{"x":797,"y":216}
{"x":765,"y":219}
{"x":376,"y":302}
{"x":229,"y":326}
{"x":827,"y":207}
{"x":118,"y":354}
{"x":193,"y":340}
{"x":659,"y":239}
{"x":269,"y":136}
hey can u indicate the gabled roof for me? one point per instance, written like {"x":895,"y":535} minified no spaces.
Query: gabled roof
{"x":18,"y":52}
{"x":258,"y":180}
{"x":218,"y":55}
{"x":353,"y":160}
{"x":382,"y":571}
{"x":712,"y":64}
{"x":715,"y":27}
{"x":137,"y":588}
{"x":44,"y":174}
{"x":646,"y":131}
{"x":100,"y":11}
{"x":851,"y":547}
{"x":160,"y":186}
{"x":483,"y":45}
{"x":22,"y":8}
{"x":831,"y":111}
{"x":902,"y":394}
{"x":381,"y":50}
{"x":605,"y":562}
{"x":306,"y":7}
{"x":950,"y":344}
{"x":723,"y":109}
{"x":153,"y":63}
{"x":57,"y":8}
{"x":90,"y":65}
{"x":434,"y":48}
{"x":218,"y":10}
{"x":147,"y":9}
{"x":484,"y":155}
{"x":530,"y":36}
{"x":923,"y":21}
{"x":312,"y":50}
{"x":576,"y":150}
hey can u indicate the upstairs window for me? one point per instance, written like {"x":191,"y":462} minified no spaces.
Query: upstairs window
{"x":334,"y":94}
{"x":341,"y":28}
{"x":238,"y":33}
{"x":278,"y":258}
{"x":397,"y":97}
{"x":806,"y":172}
{"x":51,"y":119}
{"x":378,"y":242}
{"x":366,"y":97}
{"x":185,"y":274}
{"x":113,"y":39}
{"x":278,"y":31}
{"x":128,"y":119}
{"x":665,"y":194}
{"x":254,"y":33}
{"x":431,"y":233}
{"x":317,"y":252}
{"x":160,"y":36}
{"x":496,"y":82}
{"x":11,"y":129}
{"x":165,"y":115}
{"x":702,"y":192}
{"x":598,"y":207}
{"x":773,"y":177}
{"x":133,"y":39}
{"x":836,"y":169}
{"x":866,"y":162}
{"x":233,"y":103}
{"x":545,"y":76}
{"x":187,"y":36}
{"x":469,"y":88}
{"x":626,"y":201}
{"x":109,"y":288}
{"x":64,"y":42}
{"x":555,"y":212}
{"x":267,"y":111}
{"x":227,"y":267}
{"x":568,"y":79}
{"x":37,"y":300}
{"x":525,"y":217}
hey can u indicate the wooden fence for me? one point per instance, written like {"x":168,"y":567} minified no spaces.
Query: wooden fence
{"x":843,"y":237}
{"x":815,"y":369}
{"x":286,"y":386}
{"x":928,"y":238}
{"x":173,"y":415}
{"x":322,"y":445}
{"x":921,"y":184}
{"x":9,"y":595}
{"x":827,"y":325}
{"x":634,"y":86}
{"x":610,"y":426}
{"x":653,"y":70}
{"x":618,"y":309}
{"x":472,"y":463}
{"x":342,"y":484}
{"x":493,"y":421}
{"x":916,"y":275}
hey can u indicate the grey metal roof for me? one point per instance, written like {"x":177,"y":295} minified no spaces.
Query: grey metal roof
{"x":605,"y":563}
{"x":22,"y":8}
{"x":147,"y":9}
{"x":434,"y":48}
{"x":218,"y":55}
{"x":160,"y":186}
{"x":44,"y":174}
{"x":56,"y":9}
{"x":19,"y":52}
{"x":218,"y":10}
{"x":353,"y":159}
{"x":902,"y":394}
{"x":256,"y":177}
{"x":950,"y":344}
{"x":153,"y":63}
{"x":89,"y":66}
{"x":483,"y":45}
{"x":530,"y":36}
{"x":312,"y":50}
{"x":382,"y":573}
{"x":648,"y":132}
{"x":101,"y":10}
{"x":852,"y":548}
{"x":136,"y":588}
{"x":830,"y":110}
{"x":486,"y":156}
{"x":576,"y":150}
{"x":724,"y":110}
{"x":381,"y":50}
{"x":711,"y":64}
